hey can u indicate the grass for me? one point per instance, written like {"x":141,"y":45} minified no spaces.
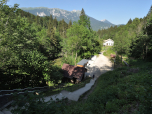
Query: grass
{"x":125,"y":90}
{"x":58,"y":62}
{"x":108,"y":50}
{"x":72,"y":87}
{"x":120,"y":91}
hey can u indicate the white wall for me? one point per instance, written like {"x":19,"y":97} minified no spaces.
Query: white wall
{"x":110,"y":43}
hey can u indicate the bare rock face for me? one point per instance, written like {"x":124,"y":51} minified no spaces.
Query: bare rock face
{"x":67,"y":16}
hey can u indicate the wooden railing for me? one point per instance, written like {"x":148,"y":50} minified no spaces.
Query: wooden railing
{"x":122,"y":60}
{"x":125,"y":63}
{"x":6,"y":96}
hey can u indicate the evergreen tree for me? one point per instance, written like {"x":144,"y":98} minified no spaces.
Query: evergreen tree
{"x":37,"y":19}
{"x":51,"y":18}
{"x":55,"y":23}
{"x":20,"y":40}
{"x":63,"y":28}
{"x":149,"y":13}
{"x":84,"y":20}
{"x":70,"y":24}
{"x":130,"y":21}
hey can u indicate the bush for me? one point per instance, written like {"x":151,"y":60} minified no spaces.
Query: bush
{"x":34,"y":104}
{"x":111,"y":107}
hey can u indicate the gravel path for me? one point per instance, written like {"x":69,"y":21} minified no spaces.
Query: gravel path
{"x":101,"y":65}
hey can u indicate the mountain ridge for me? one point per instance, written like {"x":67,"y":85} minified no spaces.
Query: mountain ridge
{"x":106,"y":21}
{"x":66,"y":15}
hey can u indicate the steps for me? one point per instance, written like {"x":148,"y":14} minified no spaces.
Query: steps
{"x":60,"y":95}
{"x":6,"y":111}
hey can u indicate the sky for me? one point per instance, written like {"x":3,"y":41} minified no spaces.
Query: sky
{"x":115,"y":11}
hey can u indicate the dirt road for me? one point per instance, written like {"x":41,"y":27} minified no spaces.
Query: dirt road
{"x":101,"y":65}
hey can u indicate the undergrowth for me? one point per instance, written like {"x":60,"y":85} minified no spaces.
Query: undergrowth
{"x":108,"y":50}
{"x":125,"y":90}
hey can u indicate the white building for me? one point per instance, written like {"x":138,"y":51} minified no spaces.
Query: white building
{"x":108,"y":42}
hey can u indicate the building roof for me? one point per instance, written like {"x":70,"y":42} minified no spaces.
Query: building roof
{"x":108,"y":40}
{"x":71,"y":71}
{"x":83,"y":61}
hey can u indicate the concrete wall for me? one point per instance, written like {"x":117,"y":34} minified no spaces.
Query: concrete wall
{"x":110,"y":43}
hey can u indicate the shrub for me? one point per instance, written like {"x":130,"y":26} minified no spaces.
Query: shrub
{"x":111,"y":107}
{"x":34,"y":104}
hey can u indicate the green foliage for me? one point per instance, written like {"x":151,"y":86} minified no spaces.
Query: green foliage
{"x":34,"y":104}
{"x":70,"y":24}
{"x":108,"y":50}
{"x":71,"y":60}
{"x":132,"y":39}
{"x":84,"y":20}
{"x":56,"y":74}
{"x":130,"y":21}
{"x":26,"y":45}
{"x":82,"y":41}
{"x":111,"y":107}
{"x":118,"y":60}
{"x":118,"y":91}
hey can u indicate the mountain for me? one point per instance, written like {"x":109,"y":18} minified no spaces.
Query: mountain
{"x":106,"y":21}
{"x":67,"y":15}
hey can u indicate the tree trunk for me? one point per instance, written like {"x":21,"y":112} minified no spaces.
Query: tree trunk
{"x":121,"y":55}
{"x":66,"y":54}
{"x":83,"y":54}
{"x":121,"y":58}
{"x":143,"y":53}
{"x":72,"y":52}
{"x":146,"y":51}
{"x":75,"y":58}
{"x":72,"y":55}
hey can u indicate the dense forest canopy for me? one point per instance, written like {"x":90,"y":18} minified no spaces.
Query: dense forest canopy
{"x":29,"y":44}
{"x":133,"y":39}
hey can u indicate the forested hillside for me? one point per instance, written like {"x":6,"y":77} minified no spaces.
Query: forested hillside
{"x":66,"y":15}
{"x":133,"y":39}
{"x":29,"y":44}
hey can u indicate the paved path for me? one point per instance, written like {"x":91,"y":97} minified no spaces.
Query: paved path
{"x":100,"y":66}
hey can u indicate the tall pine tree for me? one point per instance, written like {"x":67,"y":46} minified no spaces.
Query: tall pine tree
{"x":130,"y":21}
{"x":70,"y":24}
{"x":84,"y":20}
{"x":55,"y":22}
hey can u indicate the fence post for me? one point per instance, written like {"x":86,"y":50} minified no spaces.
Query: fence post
{"x":114,"y":64}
